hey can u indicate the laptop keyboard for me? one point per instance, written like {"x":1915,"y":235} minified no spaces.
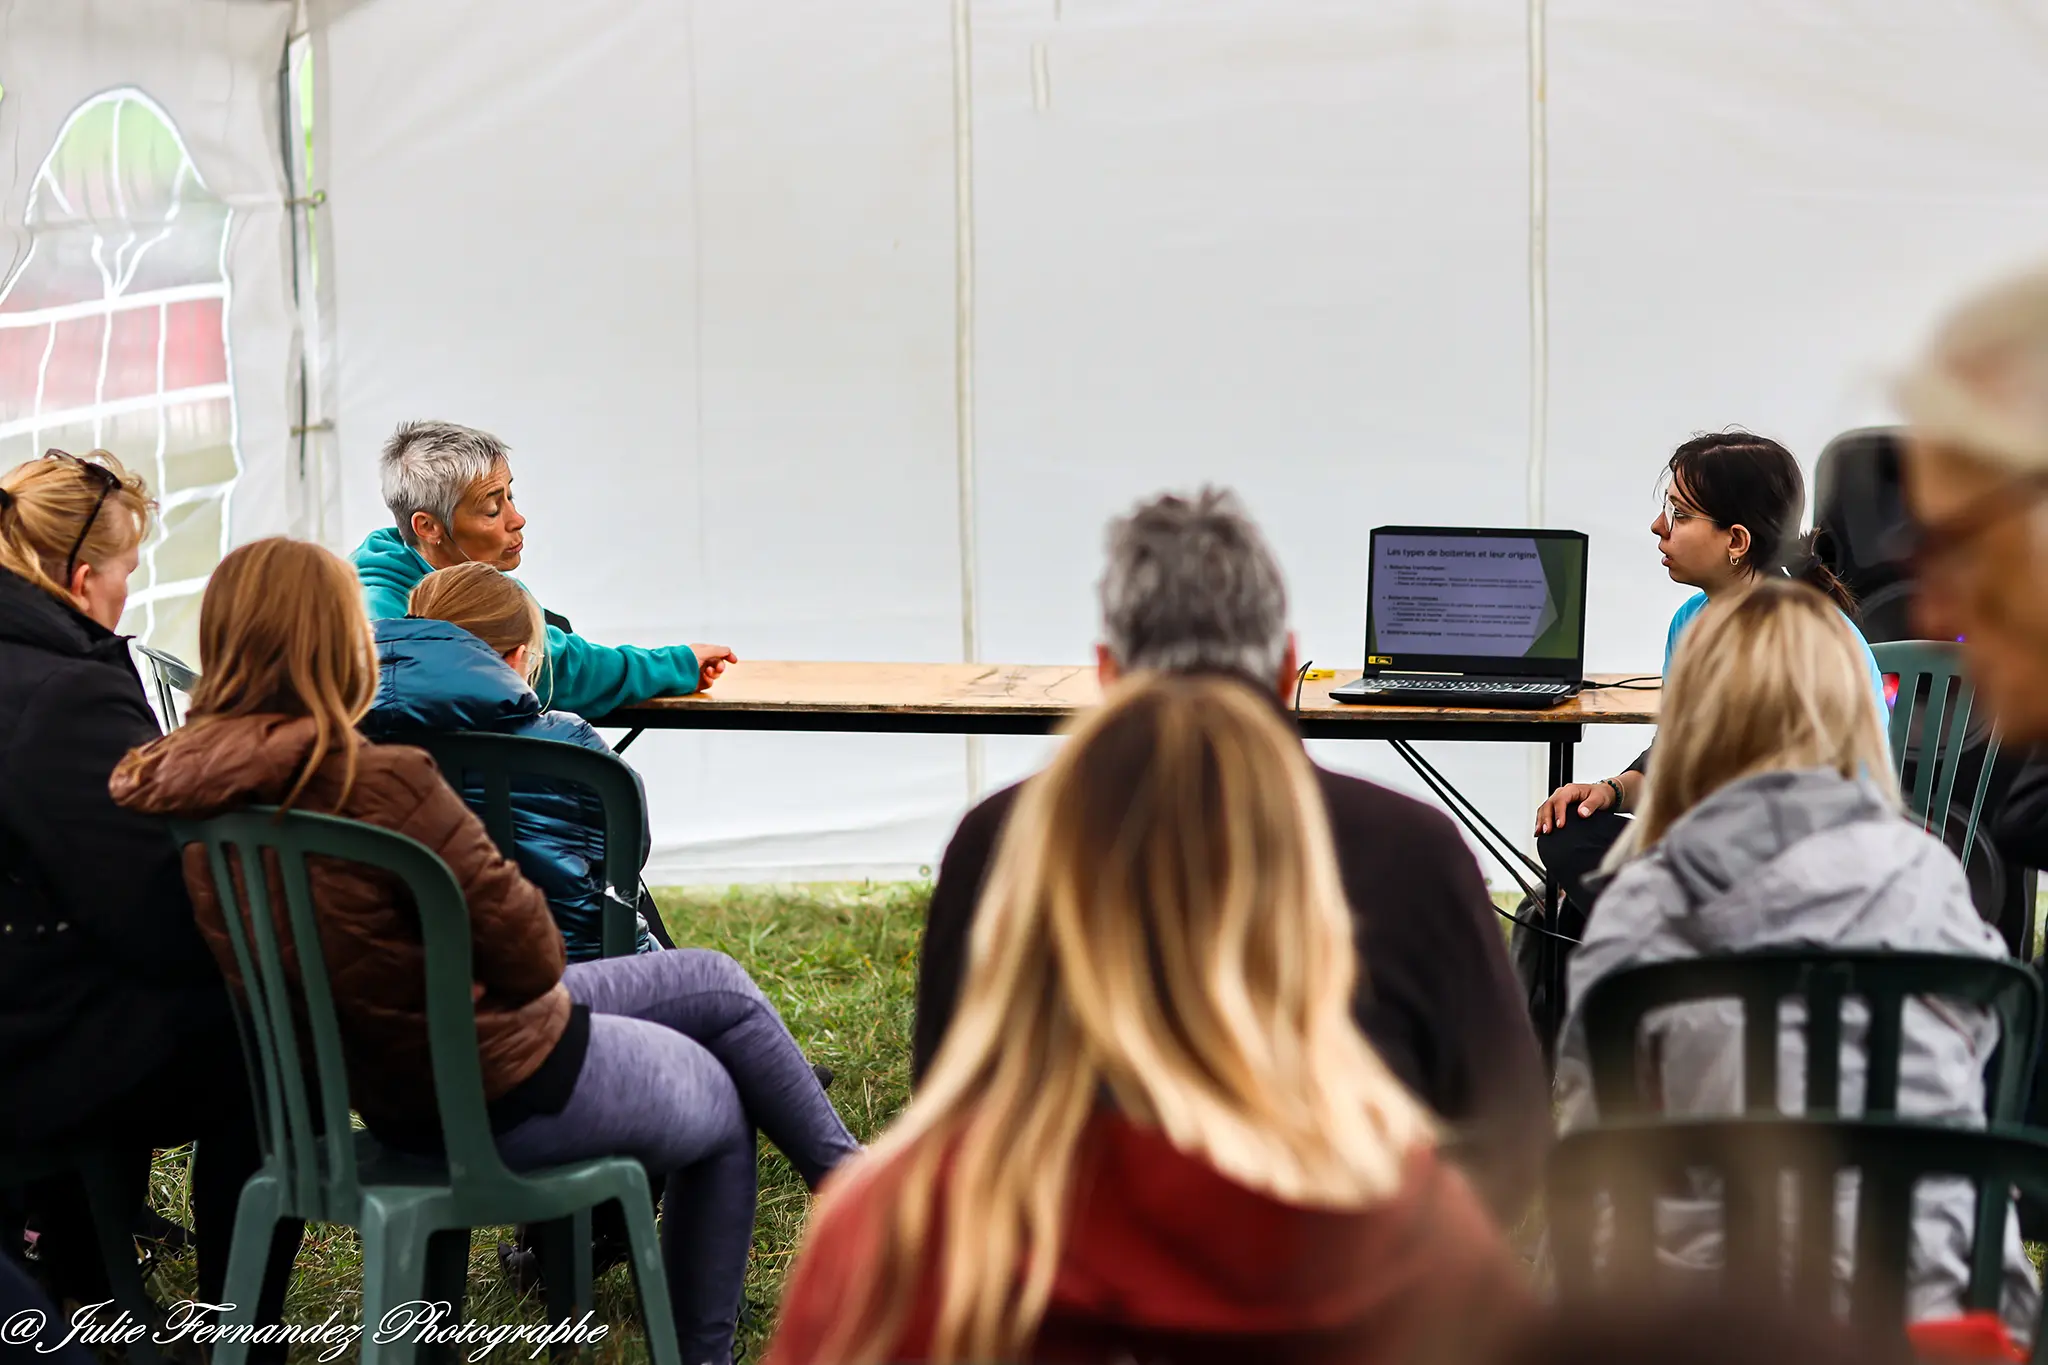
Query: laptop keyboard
{"x":1491,"y":686}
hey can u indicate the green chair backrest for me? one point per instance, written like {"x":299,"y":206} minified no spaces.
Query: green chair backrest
{"x":1615,"y":1006}
{"x":1823,"y":979}
{"x":495,"y":762}
{"x":1604,"y":1184}
{"x":1934,"y":690}
{"x":290,"y":1032}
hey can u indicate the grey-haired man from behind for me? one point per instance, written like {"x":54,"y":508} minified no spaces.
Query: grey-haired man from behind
{"x":1191,"y":587}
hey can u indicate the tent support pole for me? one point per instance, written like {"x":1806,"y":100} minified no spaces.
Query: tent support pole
{"x":963,"y":349}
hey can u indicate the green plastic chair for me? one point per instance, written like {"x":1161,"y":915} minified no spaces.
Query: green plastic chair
{"x":413,"y":1214}
{"x":113,"y":1219}
{"x":1607,"y":1180}
{"x":469,"y":758}
{"x":1616,"y":1005}
{"x":1933,"y":688}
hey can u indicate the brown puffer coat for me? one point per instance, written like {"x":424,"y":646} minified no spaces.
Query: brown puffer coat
{"x":368,"y":927}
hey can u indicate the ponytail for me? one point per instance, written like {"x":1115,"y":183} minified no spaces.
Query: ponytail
{"x":62,"y":507}
{"x":1806,"y":560}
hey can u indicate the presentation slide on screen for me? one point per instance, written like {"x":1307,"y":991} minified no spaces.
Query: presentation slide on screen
{"x":1485,"y":596}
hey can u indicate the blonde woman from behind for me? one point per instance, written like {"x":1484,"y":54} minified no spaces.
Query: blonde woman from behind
{"x":1153,"y":1130}
{"x":1771,"y":820}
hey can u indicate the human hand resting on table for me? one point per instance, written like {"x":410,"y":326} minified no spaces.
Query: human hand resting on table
{"x":711,"y":662}
{"x":1589,"y":797}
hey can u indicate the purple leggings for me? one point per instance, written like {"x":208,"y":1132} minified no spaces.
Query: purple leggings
{"x":687,"y":1058}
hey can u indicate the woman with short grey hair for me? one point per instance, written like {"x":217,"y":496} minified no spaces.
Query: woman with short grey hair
{"x":449,"y":489}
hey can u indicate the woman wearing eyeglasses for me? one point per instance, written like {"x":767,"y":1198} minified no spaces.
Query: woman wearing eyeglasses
{"x":113,"y":1017}
{"x":1731,"y":514}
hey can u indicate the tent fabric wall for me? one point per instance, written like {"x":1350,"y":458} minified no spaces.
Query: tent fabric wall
{"x":212,"y":67}
{"x":1280,"y":248}
{"x":697,"y":263}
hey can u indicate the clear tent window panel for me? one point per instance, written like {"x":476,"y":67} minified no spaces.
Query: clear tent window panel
{"x":113,"y":334}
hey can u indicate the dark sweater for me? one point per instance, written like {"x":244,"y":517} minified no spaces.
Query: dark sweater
{"x":1437,"y":996}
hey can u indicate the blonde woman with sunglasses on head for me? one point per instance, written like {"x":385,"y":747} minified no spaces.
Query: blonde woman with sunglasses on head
{"x":113,"y":1021}
{"x":1153,"y":1130}
{"x":1771,"y":819}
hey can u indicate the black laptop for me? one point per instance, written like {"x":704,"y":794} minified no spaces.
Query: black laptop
{"x":1473,"y":616}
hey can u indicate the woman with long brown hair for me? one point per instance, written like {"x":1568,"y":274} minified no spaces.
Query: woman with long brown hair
{"x":113,"y":1023}
{"x":1153,"y":1130}
{"x":603,"y":1059}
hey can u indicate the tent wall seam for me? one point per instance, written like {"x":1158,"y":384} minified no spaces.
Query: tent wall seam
{"x":1539,"y":313}
{"x":1539,"y":266}
{"x":963,"y":350}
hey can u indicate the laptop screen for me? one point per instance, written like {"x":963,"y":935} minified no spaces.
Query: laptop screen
{"x":1444,"y":599}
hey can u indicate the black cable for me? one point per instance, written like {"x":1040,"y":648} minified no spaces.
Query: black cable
{"x":1533,"y":927}
{"x":1300,"y":676}
{"x":1647,"y":683}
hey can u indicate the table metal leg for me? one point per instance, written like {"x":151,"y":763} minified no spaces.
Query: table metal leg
{"x":1552,"y":955}
{"x":631,"y":735}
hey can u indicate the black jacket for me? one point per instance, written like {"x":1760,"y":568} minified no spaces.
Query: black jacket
{"x":103,"y":974}
{"x":1438,"y":997}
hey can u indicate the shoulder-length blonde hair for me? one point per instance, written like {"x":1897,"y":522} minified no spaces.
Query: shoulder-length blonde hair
{"x":282,"y":632}
{"x":88,"y":509}
{"x":489,"y":606}
{"x":1164,"y":929}
{"x":1772,"y":680}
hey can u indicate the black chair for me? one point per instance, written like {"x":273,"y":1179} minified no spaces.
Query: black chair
{"x":1605,"y":1183}
{"x":472,"y":759}
{"x":1822,"y":980}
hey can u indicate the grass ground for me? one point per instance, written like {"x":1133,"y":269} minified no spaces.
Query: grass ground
{"x":839,"y":961}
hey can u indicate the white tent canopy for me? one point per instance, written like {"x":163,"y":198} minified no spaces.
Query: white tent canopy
{"x":837,"y":332}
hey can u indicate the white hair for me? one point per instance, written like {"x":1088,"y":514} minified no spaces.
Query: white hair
{"x":1982,"y":383}
{"x":428,"y":466}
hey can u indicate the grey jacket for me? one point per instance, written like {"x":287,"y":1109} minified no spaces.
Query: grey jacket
{"x":1802,"y":858}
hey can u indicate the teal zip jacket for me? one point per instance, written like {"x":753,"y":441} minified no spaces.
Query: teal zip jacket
{"x":588,"y":679}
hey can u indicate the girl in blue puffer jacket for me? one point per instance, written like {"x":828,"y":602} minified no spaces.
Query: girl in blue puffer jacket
{"x":464,"y":660}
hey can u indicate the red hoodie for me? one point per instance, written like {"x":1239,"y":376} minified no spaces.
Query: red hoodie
{"x":1169,"y":1262}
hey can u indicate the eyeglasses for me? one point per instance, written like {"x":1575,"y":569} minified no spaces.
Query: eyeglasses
{"x":1925,"y":545}
{"x":1672,"y":516}
{"x":108,"y":481}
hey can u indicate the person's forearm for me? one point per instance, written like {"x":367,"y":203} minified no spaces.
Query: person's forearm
{"x":1631,"y":784}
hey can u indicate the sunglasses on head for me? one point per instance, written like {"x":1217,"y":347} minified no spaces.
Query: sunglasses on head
{"x":108,"y":481}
